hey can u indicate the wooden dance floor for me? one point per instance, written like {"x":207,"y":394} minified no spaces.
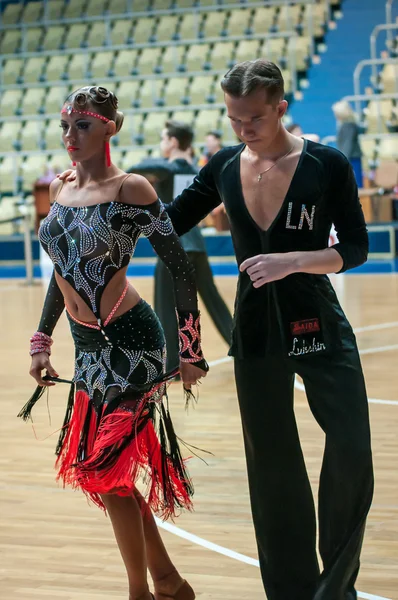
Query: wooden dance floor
{"x":53,"y":545}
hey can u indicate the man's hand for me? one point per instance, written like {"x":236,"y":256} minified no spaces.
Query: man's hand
{"x":69,"y":175}
{"x":265,"y":268}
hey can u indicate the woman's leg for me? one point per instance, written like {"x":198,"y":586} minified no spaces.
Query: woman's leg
{"x":126,"y":518}
{"x":165,"y":576}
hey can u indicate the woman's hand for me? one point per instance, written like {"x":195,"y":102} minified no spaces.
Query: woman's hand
{"x":68,"y":175}
{"x":190,"y":374}
{"x":41,"y":361}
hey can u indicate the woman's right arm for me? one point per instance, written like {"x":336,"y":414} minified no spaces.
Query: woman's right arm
{"x":54,"y":305}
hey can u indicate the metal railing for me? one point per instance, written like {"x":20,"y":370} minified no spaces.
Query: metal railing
{"x":389,"y":20}
{"x":378,"y":98}
{"x":369,"y":62}
{"x":373,"y":48}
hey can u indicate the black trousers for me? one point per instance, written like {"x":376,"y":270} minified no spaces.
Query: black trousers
{"x":165,"y":303}
{"x":281,"y":498}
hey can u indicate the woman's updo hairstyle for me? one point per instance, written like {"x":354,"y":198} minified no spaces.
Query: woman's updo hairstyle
{"x":98,"y":99}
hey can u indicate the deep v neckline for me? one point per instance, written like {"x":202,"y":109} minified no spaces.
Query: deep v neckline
{"x":284,"y":201}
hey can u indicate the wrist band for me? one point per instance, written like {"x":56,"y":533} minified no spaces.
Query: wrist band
{"x":40,"y":342}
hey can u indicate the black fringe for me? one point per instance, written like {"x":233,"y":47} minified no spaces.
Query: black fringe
{"x":26,"y":411}
{"x":68,"y":415}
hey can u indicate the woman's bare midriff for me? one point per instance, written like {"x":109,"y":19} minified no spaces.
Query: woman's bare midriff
{"x":78,"y":309}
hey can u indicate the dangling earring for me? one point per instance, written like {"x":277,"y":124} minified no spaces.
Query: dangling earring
{"x":73,"y":164}
{"x":107,"y":154}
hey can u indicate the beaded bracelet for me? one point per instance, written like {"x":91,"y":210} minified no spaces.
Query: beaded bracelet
{"x":40,"y":342}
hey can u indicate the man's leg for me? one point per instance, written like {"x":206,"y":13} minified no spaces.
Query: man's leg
{"x":337,"y":396}
{"x":165,"y":310}
{"x":210,"y":295}
{"x":281,"y":498}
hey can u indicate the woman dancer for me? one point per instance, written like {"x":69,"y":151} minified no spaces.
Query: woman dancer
{"x":117,"y":426}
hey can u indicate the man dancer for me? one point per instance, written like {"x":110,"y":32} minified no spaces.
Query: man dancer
{"x":282,"y":194}
{"x":170,"y":175}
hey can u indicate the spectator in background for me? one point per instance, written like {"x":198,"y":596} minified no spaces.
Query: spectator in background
{"x":213,"y":145}
{"x":170,"y":175}
{"x":296,"y":130}
{"x":348,"y":137}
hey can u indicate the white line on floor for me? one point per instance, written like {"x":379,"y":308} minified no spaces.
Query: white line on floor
{"x":229,"y":553}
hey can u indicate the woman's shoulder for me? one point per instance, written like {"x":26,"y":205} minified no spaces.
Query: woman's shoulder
{"x":55,"y":188}
{"x":136,"y":190}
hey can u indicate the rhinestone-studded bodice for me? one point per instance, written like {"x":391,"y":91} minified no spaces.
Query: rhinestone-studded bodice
{"x":89,"y":244}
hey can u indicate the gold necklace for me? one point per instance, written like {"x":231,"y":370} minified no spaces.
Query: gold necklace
{"x":260,"y":175}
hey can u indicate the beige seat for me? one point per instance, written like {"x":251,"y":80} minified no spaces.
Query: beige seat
{"x":121,"y":31}
{"x":133,"y":157}
{"x":153,"y":126}
{"x":9,"y":102}
{"x":127,"y":93}
{"x":9,"y":207}
{"x":54,"y":99}
{"x":101,"y":64}
{"x":221,"y":55}
{"x":56,"y":67}
{"x":172,"y":58}
{"x":97,"y":35}
{"x":185,"y":116}
{"x":53,"y":135}
{"x":125,"y":63}
{"x":301,"y":49}
{"x":74,"y":9}
{"x":12,"y":13}
{"x":200,"y":88}
{"x":32,"y":168}
{"x":184,"y":3}
{"x":273,"y":49}
{"x":131,"y":128}
{"x":12,"y":70}
{"x":377,"y":114}
{"x":33,"y":101}
{"x":150,"y":92}
{"x":175,"y":91}
{"x":143,"y":29}
{"x":32,"y":41}
{"x":141,"y":5}
{"x":161,"y":4}
{"x":76,"y":35}
{"x":117,"y":7}
{"x":248,"y":50}
{"x":190,"y":26}
{"x":196,"y":57}
{"x":55,"y":9}
{"x":10,"y":41}
{"x":9,"y":170}
{"x":214,"y":24}
{"x":368,"y":147}
{"x":263,"y":19}
{"x":34,"y":69}
{"x":166,"y":28}
{"x":148,"y":60}
{"x":287,"y":76}
{"x":239,"y":21}
{"x":9,"y":134}
{"x":289,"y":17}
{"x":96,"y":7}
{"x":31,"y":135}
{"x":53,"y":37}
{"x":206,"y":120}
{"x":389,"y":77}
{"x":32,"y":13}
{"x":388,"y":148}
{"x":78,"y":67}
{"x":218,"y":93}
{"x":314,"y":18}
